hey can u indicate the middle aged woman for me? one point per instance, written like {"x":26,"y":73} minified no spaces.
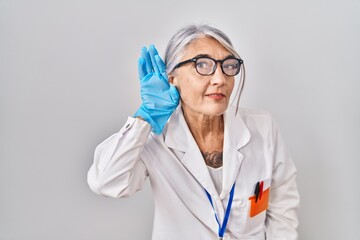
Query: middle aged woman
{"x":216,"y":171}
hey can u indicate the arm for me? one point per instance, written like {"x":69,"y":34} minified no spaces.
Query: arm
{"x":282,"y":214}
{"x":118,"y":170}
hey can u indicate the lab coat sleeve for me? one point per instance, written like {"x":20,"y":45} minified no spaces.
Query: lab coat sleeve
{"x":282,"y":214}
{"x":118,"y":170}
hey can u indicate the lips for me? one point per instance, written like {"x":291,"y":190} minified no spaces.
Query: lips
{"x":216,"y":96}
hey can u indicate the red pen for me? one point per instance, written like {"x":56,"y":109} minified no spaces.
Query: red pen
{"x":261,"y":188}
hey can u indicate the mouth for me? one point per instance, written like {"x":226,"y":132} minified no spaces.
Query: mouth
{"x":216,"y":96}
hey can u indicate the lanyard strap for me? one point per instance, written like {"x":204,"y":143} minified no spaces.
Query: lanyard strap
{"x":222,"y":228}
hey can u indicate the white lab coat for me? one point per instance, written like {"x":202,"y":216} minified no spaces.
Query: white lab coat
{"x":253,"y":151}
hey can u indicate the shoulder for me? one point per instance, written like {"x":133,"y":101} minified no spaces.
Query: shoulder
{"x":258,"y":122}
{"x":252,"y":115}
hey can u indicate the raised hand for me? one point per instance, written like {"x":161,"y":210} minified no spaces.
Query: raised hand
{"x":159,"y":98}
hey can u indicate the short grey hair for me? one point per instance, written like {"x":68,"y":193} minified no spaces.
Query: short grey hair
{"x":188,"y":34}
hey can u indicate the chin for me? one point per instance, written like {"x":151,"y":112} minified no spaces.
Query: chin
{"x":215,"y":109}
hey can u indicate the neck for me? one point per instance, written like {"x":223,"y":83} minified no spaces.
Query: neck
{"x":208,"y":131}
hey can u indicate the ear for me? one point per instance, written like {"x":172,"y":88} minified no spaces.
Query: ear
{"x":172,"y":79}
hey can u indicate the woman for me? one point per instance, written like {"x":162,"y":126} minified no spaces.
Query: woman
{"x":216,"y":171}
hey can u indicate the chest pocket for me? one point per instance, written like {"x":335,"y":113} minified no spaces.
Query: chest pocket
{"x":248,"y":214}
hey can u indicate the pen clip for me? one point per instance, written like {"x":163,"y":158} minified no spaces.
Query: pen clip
{"x":257,"y":191}
{"x":259,"y":188}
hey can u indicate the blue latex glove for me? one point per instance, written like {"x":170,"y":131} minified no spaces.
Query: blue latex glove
{"x":159,"y":98}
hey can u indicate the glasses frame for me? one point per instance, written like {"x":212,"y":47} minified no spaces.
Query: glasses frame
{"x":194,"y":60}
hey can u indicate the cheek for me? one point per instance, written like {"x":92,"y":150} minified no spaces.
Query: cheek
{"x":229,"y":85}
{"x":191,"y":90}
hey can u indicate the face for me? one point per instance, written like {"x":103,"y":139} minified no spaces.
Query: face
{"x":203,"y":95}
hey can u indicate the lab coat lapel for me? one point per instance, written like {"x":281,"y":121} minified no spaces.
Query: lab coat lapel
{"x":236,"y":136}
{"x":179,"y":138}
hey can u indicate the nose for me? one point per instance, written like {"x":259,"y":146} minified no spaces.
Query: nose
{"x":218,"y":78}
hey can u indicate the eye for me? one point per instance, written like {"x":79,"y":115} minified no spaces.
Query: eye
{"x":204,"y":63}
{"x":231,"y":64}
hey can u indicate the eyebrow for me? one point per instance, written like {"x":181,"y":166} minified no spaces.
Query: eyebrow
{"x":208,"y":56}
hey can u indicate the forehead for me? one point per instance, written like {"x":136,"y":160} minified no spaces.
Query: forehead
{"x":205,"y":45}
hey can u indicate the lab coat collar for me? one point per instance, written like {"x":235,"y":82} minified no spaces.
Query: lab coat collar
{"x":177,"y":135}
{"x":236,"y":135}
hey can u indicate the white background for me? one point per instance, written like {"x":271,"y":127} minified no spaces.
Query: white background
{"x":68,"y":80}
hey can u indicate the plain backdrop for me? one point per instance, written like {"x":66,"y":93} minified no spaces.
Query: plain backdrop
{"x":68,"y":80}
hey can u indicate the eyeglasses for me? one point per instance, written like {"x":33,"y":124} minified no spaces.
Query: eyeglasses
{"x":206,"y":66}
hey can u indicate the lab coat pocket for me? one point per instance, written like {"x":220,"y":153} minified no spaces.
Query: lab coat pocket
{"x":259,"y":201}
{"x":259,"y":205}
{"x":249,"y":219}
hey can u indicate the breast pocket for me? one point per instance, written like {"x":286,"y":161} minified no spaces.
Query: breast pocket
{"x":259,"y":202}
{"x":250,"y":213}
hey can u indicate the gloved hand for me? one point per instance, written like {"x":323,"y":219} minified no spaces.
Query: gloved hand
{"x":159,"y":98}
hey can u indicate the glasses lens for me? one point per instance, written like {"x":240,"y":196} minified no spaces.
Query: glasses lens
{"x":231,"y":66}
{"x":205,"y":66}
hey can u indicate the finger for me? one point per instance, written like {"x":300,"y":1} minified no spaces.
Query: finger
{"x":142,"y":68}
{"x":146,"y":56}
{"x":162,"y":69}
{"x":160,"y":64}
{"x":153,"y":53}
{"x":153,"y":49}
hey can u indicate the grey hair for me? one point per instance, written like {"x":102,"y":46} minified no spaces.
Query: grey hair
{"x":188,"y":34}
